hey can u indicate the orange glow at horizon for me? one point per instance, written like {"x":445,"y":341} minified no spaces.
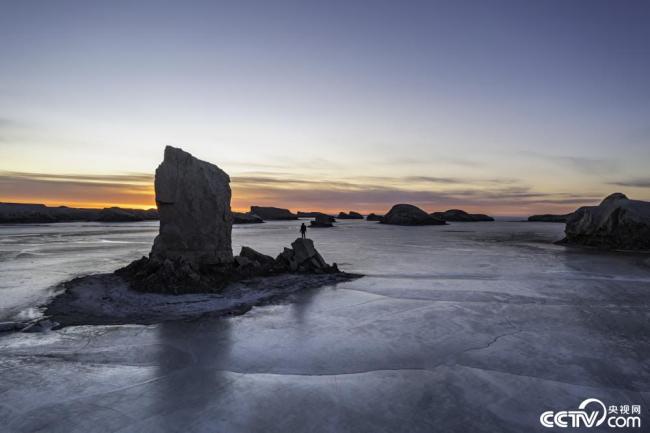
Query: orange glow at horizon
{"x":243,"y":203}
{"x":361,"y":194}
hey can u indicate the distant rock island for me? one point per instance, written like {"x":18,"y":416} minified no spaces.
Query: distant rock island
{"x":302,"y":214}
{"x":457,"y":215}
{"x":616,"y":223}
{"x":549,"y":218}
{"x":25,"y":213}
{"x":409,"y":215}
{"x":269,"y":213}
{"x":374,"y":217}
{"x":245,"y":218}
{"x":322,"y":221}
{"x":192,"y":252}
{"x":351,"y":215}
{"x":17,"y":213}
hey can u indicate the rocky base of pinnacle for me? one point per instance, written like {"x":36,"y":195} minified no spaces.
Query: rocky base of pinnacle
{"x":177,"y":276}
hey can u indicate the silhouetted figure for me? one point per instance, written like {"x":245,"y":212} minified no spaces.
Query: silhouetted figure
{"x":303,"y":230}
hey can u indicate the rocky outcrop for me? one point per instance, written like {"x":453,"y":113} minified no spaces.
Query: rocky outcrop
{"x":549,"y":218}
{"x":409,"y":215}
{"x":303,"y":257}
{"x":254,"y":256}
{"x":273,"y":213}
{"x":374,"y":217}
{"x":178,"y":276}
{"x":616,"y":223}
{"x":245,"y":218}
{"x":352,"y":215}
{"x":18,"y":213}
{"x":193,"y":199}
{"x":251,"y":263}
{"x":457,"y":215}
{"x":322,"y":221}
{"x":193,"y":252}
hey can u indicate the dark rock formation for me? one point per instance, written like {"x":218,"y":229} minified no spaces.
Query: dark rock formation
{"x":273,"y":213}
{"x":616,"y":223}
{"x":457,"y":215}
{"x":193,"y":252}
{"x":303,"y":257}
{"x":316,"y":215}
{"x":352,"y":215}
{"x":115,"y":214}
{"x":254,"y":256}
{"x":409,"y":215}
{"x":245,"y":218}
{"x":251,"y":263}
{"x":18,"y":213}
{"x":549,"y":218}
{"x":322,"y":221}
{"x":374,"y":217}
{"x":193,"y":199}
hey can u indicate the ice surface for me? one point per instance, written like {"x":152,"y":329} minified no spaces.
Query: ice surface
{"x":468,"y":327}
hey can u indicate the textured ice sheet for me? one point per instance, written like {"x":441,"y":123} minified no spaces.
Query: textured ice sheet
{"x":469,"y":327}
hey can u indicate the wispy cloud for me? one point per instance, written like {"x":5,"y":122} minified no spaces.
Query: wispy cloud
{"x":634,"y":183}
{"x":77,"y":190}
{"x":130,"y":178}
{"x":586,"y":165}
{"x":363,"y":193}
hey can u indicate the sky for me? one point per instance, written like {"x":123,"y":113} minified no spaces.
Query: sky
{"x":503,"y":107}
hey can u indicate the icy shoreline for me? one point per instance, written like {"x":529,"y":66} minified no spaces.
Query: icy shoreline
{"x":106,"y":299}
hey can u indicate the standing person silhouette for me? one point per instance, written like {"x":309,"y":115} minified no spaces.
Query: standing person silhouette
{"x":303,"y":230}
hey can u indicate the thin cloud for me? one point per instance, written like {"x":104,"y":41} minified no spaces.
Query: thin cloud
{"x":104,"y":178}
{"x":364,"y":194}
{"x":634,"y":183}
{"x":583,"y":164}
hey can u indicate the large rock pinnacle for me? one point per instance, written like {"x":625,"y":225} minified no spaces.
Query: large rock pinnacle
{"x":193,"y":199}
{"x":193,"y":251}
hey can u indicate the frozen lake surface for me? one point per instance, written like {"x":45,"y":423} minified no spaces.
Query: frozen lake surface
{"x":470,"y":327}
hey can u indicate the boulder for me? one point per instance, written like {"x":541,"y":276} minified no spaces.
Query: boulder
{"x":250,"y":263}
{"x":616,"y":223}
{"x":549,"y":218}
{"x":255,"y":256}
{"x":322,"y":221}
{"x":352,"y":215}
{"x":457,"y":215}
{"x":245,"y":218}
{"x":304,"y":258}
{"x":409,"y":215}
{"x":273,"y":213}
{"x":193,"y":199}
{"x":374,"y":217}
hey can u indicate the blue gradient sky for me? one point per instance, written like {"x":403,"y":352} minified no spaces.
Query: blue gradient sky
{"x":508,"y":107}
